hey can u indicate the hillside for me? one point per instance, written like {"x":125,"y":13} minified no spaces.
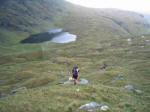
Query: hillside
{"x":27,"y":17}
{"x":22,"y":18}
{"x":32,"y":75}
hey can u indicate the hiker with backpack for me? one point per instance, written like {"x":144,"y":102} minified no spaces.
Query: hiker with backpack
{"x":75,"y":74}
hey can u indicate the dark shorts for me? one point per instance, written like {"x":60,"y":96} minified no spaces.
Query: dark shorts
{"x":75,"y":76}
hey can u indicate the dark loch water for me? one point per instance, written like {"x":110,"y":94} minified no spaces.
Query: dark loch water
{"x":54,"y":35}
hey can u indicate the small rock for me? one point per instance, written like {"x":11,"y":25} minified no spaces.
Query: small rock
{"x":142,"y":46}
{"x":147,"y":40}
{"x":104,"y":108}
{"x":129,"y":39}
{"x":81,"y":81}
{"x":142,"y":36}
{"x":138,"y":91}
{"x":132,"y":88}
{"x":93,"y":106}
{"x":18,"y":90}
{"x":89,"y":106}
{"x":129,"y":87}
{"x":91,"y":110}
{"x":119,"y":77}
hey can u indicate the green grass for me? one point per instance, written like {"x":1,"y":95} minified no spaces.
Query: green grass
{"x":40,"y":75}
{"x":41,"y":67}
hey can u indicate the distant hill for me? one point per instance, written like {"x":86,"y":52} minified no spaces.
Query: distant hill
{"x":19,"y":18}
{"x":21,"y":15}
{"x":147,"y":17}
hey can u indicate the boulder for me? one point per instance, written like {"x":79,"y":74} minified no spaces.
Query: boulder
{"x":129,"y":87}
{"x":89,"y":107}
{"x":104,"y":108}
{"x":93,"y":107}
{"x":147,"y":40}
{"x":138,"y":91}
{"x":81,"y":81}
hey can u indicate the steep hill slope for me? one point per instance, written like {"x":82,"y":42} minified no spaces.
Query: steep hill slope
{"x":21,"y":15}
{"x":27,"y":17}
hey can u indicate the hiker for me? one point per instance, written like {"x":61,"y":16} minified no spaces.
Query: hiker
{"x":75,"y":74}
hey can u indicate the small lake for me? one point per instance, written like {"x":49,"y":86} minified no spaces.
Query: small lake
{"x":54,"y":35}
{"x":64,"y":38}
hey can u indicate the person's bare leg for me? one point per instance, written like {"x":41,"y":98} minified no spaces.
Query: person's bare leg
{"x":74,"y":81}
{"x":78,"y":79}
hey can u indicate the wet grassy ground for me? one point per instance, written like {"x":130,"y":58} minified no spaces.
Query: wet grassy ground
{"x":40,"y":67}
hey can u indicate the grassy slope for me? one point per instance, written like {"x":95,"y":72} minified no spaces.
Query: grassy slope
{"x":27,"y":17}
{"x":40,"y":67}
{"x":42,"y":75}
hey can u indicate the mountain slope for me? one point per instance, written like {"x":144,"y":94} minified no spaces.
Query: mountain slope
{"x":107,"y":21}
{"x":19,"y":15}
{"x":34,"y":16}
{"x":26,"y":17}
